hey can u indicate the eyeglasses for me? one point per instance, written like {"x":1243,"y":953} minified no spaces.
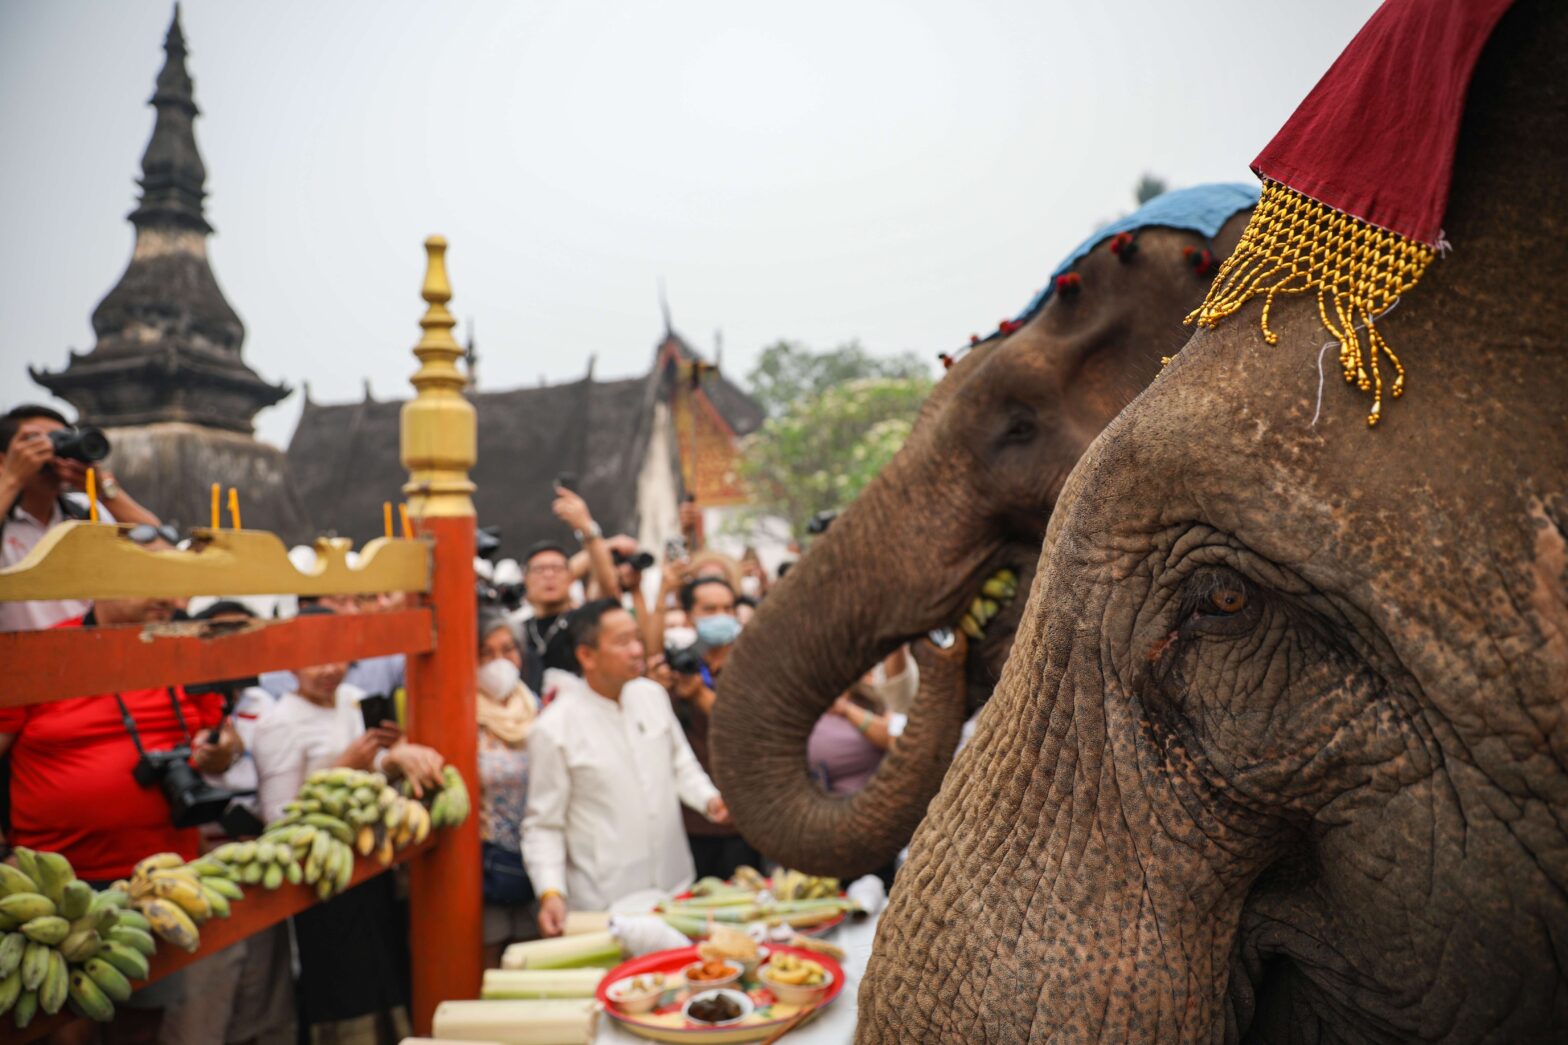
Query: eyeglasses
{"x":146,"y":533}
{"x":546,"y":568}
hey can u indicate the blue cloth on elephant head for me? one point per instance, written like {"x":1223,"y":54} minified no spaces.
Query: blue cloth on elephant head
{"x":1202,"y":209}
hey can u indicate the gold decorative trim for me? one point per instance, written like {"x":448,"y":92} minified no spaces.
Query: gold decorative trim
{"x":1296,"y":245}
{"x":439,"y":431}
{"x":81,"y":560}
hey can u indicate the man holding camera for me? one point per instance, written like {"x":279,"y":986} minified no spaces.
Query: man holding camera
{"x":43,"y":457}
{"x":108,"y":779}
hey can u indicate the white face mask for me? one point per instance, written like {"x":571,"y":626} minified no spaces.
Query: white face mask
{"x":680,"y":638}
{"x":498,"y":678}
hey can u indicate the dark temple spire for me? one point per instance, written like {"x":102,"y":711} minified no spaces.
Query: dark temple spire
{"x":168,"y":342}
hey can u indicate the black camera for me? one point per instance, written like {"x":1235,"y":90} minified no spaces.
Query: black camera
{"x":192,"y":801}
{"x":639,"y":560}
{"x":487,"y":542}
{"x":83,"y":443}
{"x":683,"y":661}
{"x":820,"y":522}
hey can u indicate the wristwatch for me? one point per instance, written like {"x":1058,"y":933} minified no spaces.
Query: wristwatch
{"x":592,"y":533}
{"x":108,"y":489}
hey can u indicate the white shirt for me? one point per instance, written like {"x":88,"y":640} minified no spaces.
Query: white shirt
{"x":605,"y":782}
{"x":22,"y":534}
{"x":294,"y":738}
{"x":250,"y":705}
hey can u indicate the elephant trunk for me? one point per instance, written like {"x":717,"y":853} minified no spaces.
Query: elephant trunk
{"x":836,"y":614}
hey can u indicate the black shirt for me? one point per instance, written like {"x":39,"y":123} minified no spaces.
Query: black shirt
{"x":547,"y":645}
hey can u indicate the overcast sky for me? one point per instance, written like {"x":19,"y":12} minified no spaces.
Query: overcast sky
{"x":903,"y":172}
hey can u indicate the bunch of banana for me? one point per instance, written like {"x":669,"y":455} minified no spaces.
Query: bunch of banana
{"x":797,"y":885}
{"x":998,"y":590}
{"x":176,"y":897}
{"x":59,"y":939}
{"x":314,"y":851}
{"x":451,"y":805}
{"x":355,"y":808}
{"x":268,"y":861}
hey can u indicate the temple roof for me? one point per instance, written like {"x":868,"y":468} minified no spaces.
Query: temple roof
{"x":168,"y":342}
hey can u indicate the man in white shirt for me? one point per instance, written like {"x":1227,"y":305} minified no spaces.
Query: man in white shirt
{"x":608,"y":771}
{"x":33,"y":481}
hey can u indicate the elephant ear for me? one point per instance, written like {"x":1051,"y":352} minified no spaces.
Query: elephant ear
{"x":1356,"y":183}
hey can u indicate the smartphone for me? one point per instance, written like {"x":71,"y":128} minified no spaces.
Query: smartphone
{"x":377,"y":710}
{"x":674,"y":548}
{"x":567,"y":481}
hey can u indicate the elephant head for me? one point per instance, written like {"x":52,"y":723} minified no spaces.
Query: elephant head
{"x":968,"y":495}
{"x":1282,"y":750}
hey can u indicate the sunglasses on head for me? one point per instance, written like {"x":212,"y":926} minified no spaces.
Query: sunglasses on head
{"x":146,"y":533}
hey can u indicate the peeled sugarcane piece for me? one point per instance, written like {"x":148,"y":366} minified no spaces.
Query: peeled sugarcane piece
{"x":519,"y":984}
{"x":689,"y":924}
{"x":564,"y":952}
{"x":581,"y":922}
{"x":550,"y":1022}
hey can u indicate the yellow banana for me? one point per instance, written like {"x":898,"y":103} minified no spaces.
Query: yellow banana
{"x":171,"y":922}
{"x":157,"y":862}
{"x":187,"y":894}
{"x":365,"y":841}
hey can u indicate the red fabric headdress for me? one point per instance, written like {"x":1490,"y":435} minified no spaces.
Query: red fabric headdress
{"x":1356,"y":182}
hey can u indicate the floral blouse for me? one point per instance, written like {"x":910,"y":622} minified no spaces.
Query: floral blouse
{"x":503,"y":787}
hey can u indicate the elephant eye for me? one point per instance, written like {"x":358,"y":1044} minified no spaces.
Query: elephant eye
{"x":1228,"y":600}
{"x":1020,"y":428}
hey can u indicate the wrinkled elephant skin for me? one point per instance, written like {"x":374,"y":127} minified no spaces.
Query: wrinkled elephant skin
{"x":1282,"y":751}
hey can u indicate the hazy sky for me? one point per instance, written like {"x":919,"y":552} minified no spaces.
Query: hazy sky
{"x":899,"y":172}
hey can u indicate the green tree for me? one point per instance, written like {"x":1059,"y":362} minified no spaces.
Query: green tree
{"x":822,"y":449}
{"x":788,"y":371}
{"x":1148,"y":187}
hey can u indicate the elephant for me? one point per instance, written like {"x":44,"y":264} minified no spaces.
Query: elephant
{"x":1281,"y":753}
{"x":967,"y":496}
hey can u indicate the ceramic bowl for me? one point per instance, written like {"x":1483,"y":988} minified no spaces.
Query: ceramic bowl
{"x":700,"y":984}
{"x":738,"y":997}
{"x":797,"y":993}
{"x":638,"y":1000}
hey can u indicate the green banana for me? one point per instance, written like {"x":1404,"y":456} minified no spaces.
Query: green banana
{"x":24,"y":907}
{"x":90,"y":997}
{"x":216,"y":902}
{"x":112,"y":898}
{"x":132,"y":919}
{"x":251,"y":873}
{"x":15,"y":880}
{"x":109,"y":979}
{"x":224,"y":887}
{"x":11,"y":950}
{"x":332,"y":825}
{"x":35,"y":965}
{"x":139,"y":940}
{"x":10,"y":990}
{"x":25,"y":1009}
{"x":131,"y":962}
{"x":51,"y":929}
{"x":56,"y":872}
{"x":81,"y":945}
{"x":27,"y":860}
{"x":293,"y":872}
{"x":266,"y":853}
{"x":57,"y":982}
{"x":76,"y":899}
{"x":273,"y":876}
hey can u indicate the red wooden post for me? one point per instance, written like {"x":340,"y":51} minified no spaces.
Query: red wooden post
{"x":439,"y":446}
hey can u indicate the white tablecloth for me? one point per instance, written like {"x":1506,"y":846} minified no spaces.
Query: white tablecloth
{"x":835,"y":1025}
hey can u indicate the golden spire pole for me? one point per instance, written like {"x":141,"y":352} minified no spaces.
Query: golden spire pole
{"x":439,"y":441}
{"x":439,"y":447}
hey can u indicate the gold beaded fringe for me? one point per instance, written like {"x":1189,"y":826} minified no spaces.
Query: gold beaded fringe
{"x":1294,"y":245}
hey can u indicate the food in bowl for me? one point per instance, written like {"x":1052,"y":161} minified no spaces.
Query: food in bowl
{"x":715,"y":972}
{"x":636,"y":994}
{"x":730,"y":943}
{"x":795,"y":980}
{"x":717,"y":1008}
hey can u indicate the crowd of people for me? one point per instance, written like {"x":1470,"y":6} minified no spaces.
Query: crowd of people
{"x":594,"y":687}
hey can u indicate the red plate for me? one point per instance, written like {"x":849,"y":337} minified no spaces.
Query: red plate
{"x":665,"y":1022}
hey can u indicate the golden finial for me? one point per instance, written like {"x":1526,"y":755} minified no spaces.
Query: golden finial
{"x":438,"y":427}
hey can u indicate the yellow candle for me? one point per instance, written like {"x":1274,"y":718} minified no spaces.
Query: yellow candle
{"x":217,"y":519}
{"x":408,"y":530}
{"x":92,"y":494}
{"x":386,"y":518}
{"x":234,"y":508}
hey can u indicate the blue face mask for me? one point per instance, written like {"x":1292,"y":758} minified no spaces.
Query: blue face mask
{"x":719,"y":630}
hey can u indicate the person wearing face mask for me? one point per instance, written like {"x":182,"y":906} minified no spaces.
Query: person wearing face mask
{"x":709,"y":602}
{"x":507,"y":709}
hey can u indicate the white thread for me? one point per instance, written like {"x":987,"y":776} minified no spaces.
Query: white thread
{"x":1326,"y":345}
